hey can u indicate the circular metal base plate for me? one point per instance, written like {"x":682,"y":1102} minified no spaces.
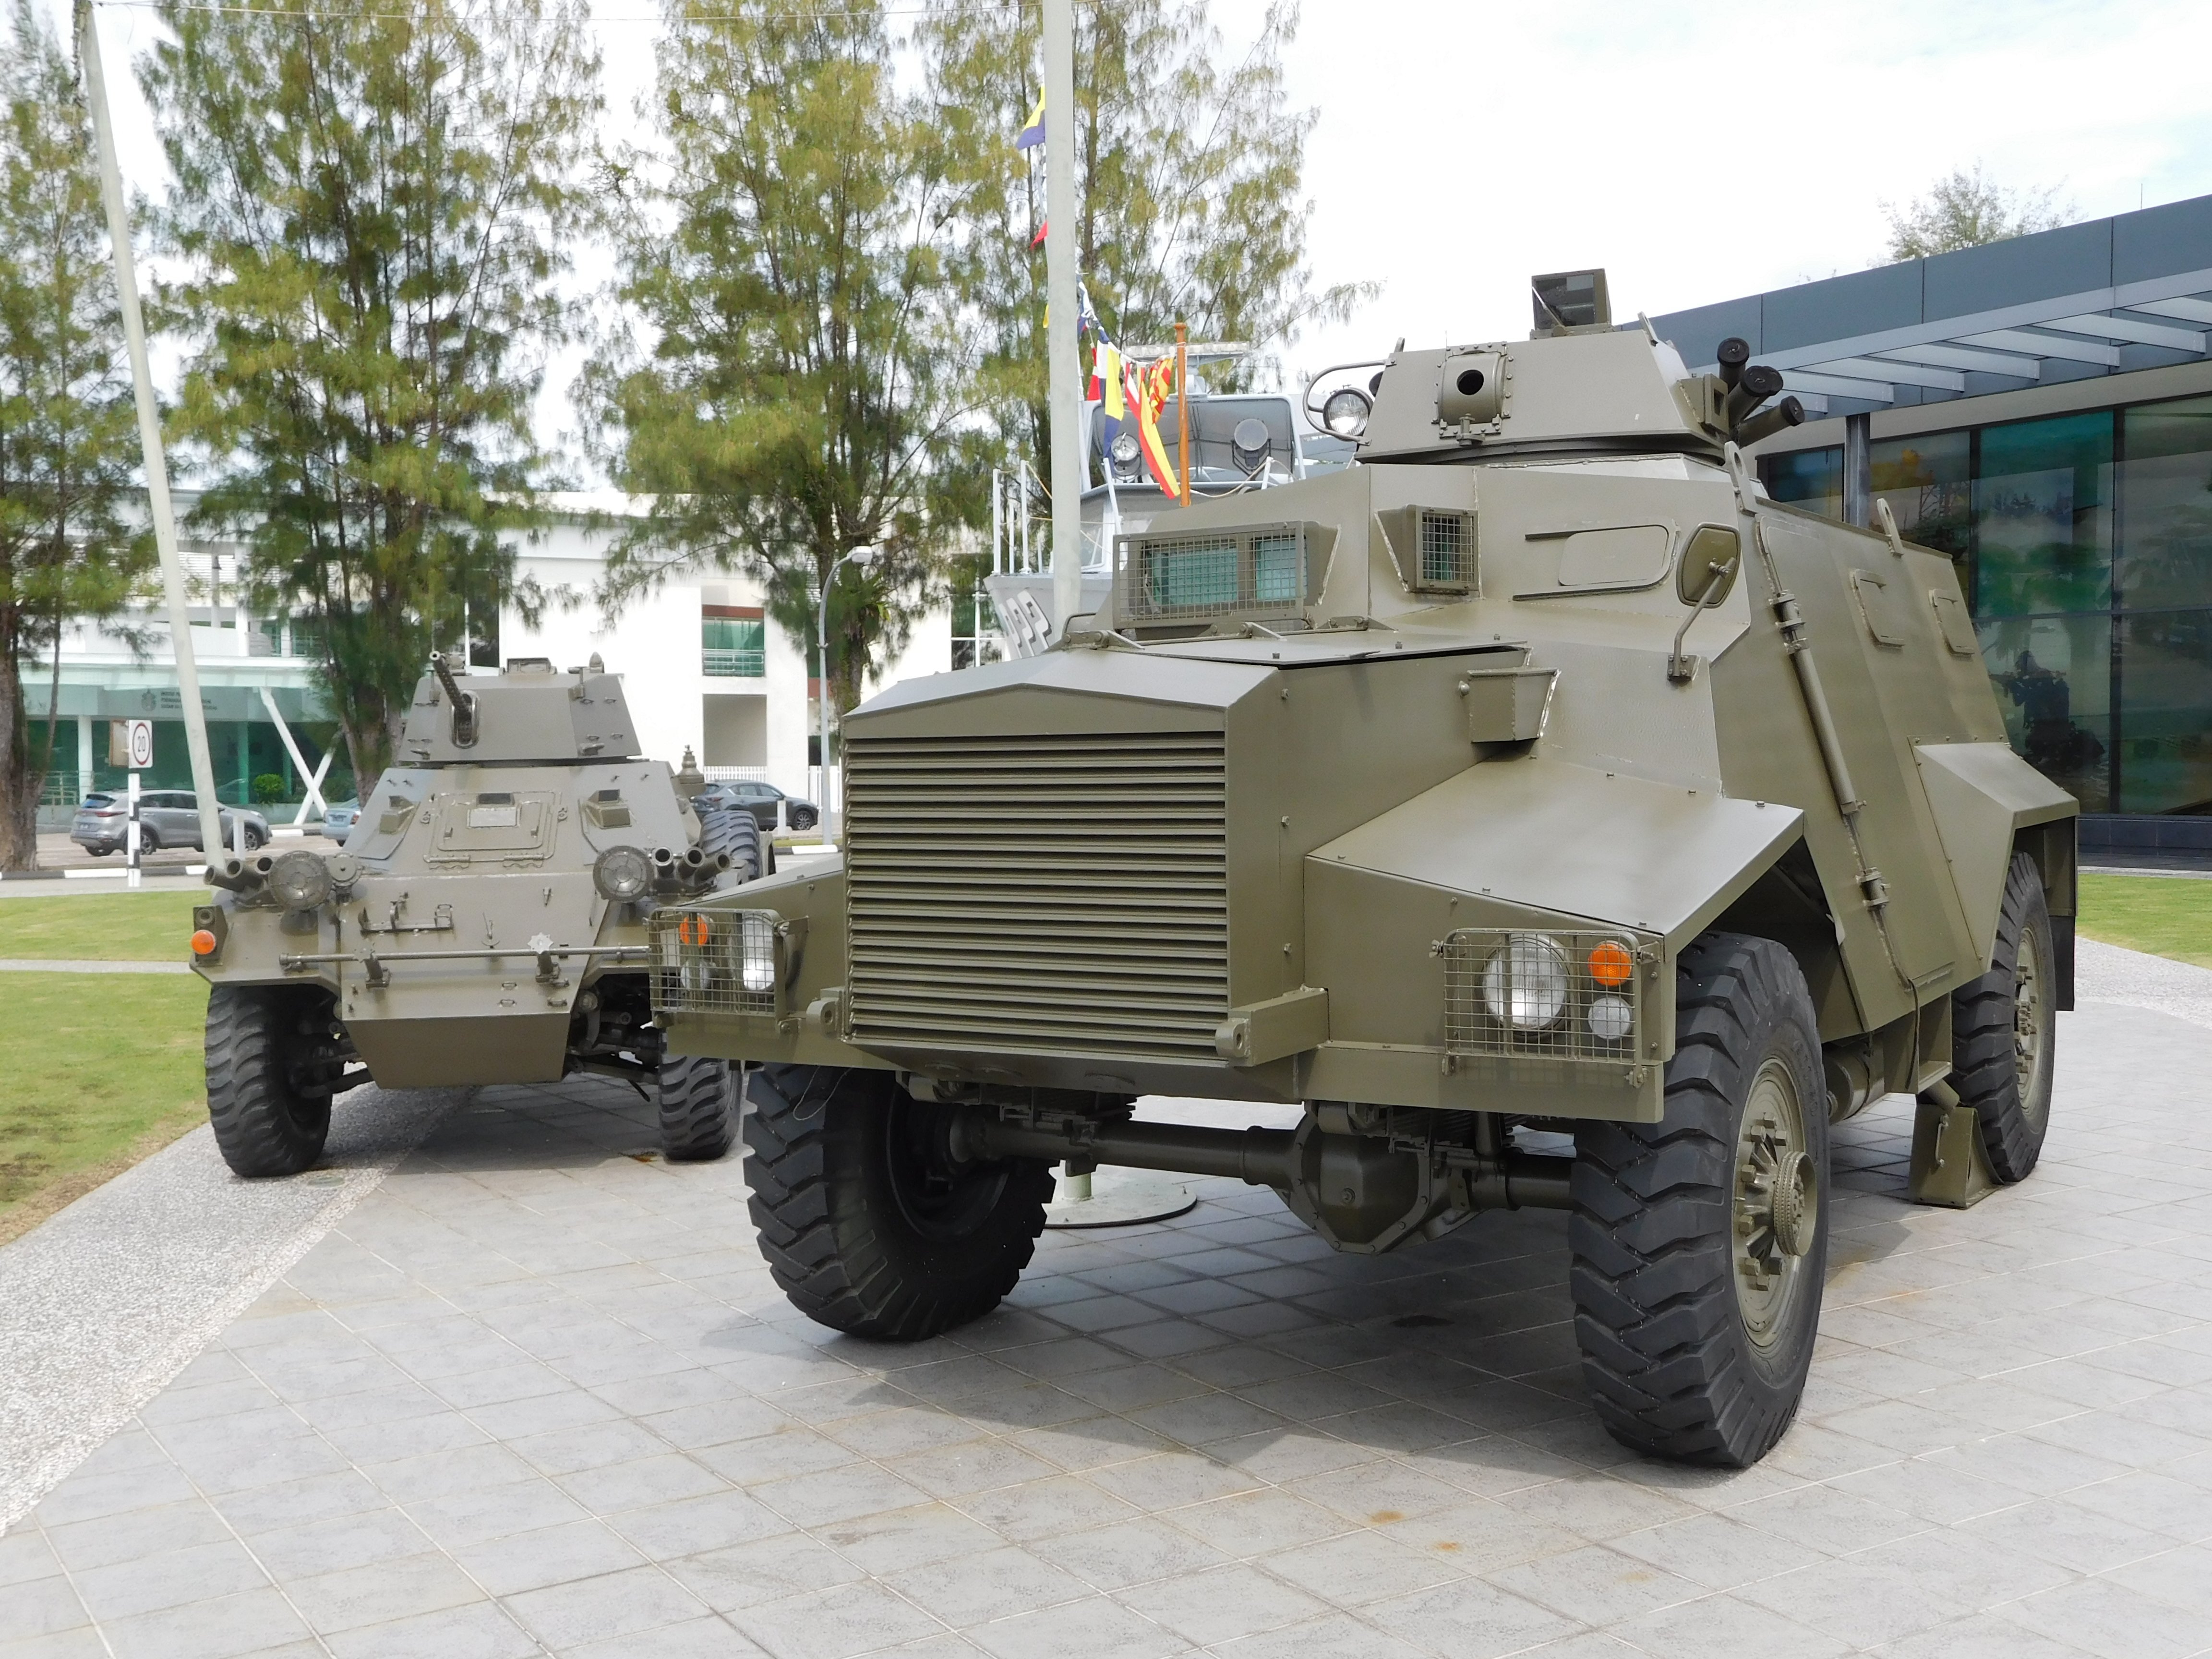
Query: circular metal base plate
{"x":1124,"y":1198}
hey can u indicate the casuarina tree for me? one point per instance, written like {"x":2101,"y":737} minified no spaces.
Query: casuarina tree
{"x":373,"y":209}
{"x":68,"y":438}
{"x":795,"y":379}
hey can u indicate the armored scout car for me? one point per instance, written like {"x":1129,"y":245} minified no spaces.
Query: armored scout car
{"x":486,"y":922}
{"x":1537,"y":776}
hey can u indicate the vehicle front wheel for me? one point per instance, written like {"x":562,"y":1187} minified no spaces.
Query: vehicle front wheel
{"x":868,"y":1221}
{"x":733,"y":830}
{"x":271,"y":1063}
{"x":255,"y":841}
{"x":1700,"y":1242}
{"x":805,"y":818}
{"x":2001,"y":1031}
{"x":148,"y":841}
{"x":698,"y":1108}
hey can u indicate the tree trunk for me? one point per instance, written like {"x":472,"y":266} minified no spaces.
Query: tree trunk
{"x":19,"y":800}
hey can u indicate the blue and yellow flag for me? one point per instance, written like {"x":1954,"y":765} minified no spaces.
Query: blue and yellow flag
{"x":1033,"y":134}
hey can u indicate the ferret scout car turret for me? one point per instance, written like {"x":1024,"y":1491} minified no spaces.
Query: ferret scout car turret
{"x":1536,"y":779}
{"x":486,"y":921}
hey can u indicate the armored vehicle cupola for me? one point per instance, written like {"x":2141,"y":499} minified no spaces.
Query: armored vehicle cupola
{"x":1578,"y":386}
{"x":529,"y":714}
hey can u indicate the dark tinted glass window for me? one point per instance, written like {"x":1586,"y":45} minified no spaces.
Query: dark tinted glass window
{"x":2043,"y":519}
{"x":1812,"y":479}
{"x":2054,"y":678}
{"x":2165,"y":505}
{"x":1928,"y":482}
{"x":2166,"y":711}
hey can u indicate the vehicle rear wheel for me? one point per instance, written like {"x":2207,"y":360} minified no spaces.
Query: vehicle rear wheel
{"x":698,"y":1108}
{"x":868,"y":1222}
{"x":270,"y":1063}
{"x":731,"y":829}
{"x":1700,"y":1242}
{"x":2002,"y":1027}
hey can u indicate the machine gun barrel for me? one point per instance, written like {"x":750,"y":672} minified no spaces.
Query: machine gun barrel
{"x":464,"y":705}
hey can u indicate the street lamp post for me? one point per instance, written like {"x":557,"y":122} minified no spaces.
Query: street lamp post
{"x":861,"y":557}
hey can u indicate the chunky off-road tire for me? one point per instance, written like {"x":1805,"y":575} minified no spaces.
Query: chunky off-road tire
{"x":2004,"y":1032}
{"x":264,"y":1123}
{"x":737,"y":832}
{"x":698,"y":1108}
{"x":1691,"y":1349}
{"x":866,"y":1223}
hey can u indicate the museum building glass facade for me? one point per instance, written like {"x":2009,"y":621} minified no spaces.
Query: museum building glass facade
{"x":2085,"y":549}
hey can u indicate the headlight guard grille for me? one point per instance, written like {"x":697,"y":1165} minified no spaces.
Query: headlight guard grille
{"x":1579,"y":996}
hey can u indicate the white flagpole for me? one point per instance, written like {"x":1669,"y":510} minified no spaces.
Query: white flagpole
{"x":150,"y":439}
{"x":1065,"y":384}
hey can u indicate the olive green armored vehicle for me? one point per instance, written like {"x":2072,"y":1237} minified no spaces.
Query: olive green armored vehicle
{"x":1536,"y":781}
{"x":487,"y":920}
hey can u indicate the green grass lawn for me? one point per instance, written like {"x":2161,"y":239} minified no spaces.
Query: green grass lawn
{"x":101,"y":1071}
{"x":100,"y":926}
{"x":2165,"y":916}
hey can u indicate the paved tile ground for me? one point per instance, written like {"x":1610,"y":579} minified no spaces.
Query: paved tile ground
{"x":537,"y":1394}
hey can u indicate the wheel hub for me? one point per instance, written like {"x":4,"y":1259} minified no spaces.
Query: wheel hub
{"x":2029,"y":1027}
{"x":1777,"y":1202}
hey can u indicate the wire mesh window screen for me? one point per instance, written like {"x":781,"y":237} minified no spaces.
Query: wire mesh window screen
{"x":1214,"y":574}
{"x":718,"y":962}
{"x":1573,"y":996}
{"x":1445,"y":550}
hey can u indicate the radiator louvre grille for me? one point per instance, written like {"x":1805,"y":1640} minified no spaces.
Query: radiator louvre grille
{"x":1038,"y":893}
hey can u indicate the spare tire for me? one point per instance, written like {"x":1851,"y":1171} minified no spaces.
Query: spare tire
{"x":733,"y":830}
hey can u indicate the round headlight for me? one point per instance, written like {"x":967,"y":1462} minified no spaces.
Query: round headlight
{"x":757,"y":947}
{"x":1611,"y":1018}
{"x":299,"y":881}
{"x":622,"y":873}
{"x":1525,"y":984}
{"x":1345,"y":411}
{"x":696,"y":976}
{"x":1125,"y":449}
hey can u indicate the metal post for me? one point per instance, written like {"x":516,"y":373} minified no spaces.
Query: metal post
{"x":130,"y":833}
{"x":83,"y":756}
{"x":821,"y":703}
{"x":1858,"y":469}
{"x":150,"y":439}
{"x":1065,"y":380}
{"x":998,"y":520}
{"x":1182,"y":408}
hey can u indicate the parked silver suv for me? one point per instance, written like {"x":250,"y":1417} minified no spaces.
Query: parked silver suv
{"x":166,"y":817}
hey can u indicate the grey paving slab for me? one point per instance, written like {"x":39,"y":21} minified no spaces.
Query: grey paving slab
{"x":534,"y":1393}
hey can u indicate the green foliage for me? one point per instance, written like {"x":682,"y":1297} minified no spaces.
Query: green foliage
{"x":842,"y":316}
{"x":68,"y":437}
{"x":375,"y":207}
{"x":1967,"y":209}
{"x":790,"y":235}
{"x":269,"y":789}
{"x":1189,"y":166}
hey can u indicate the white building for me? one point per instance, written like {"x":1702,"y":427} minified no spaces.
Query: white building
{"x":703,"y":667}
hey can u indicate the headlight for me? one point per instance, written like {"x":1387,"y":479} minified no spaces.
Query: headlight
{"x":622,"y":873}
{"x":1525,"y":984}
{"x":299,"y":881}
{"x":1125,"y":449}
{"x":756,"y":952}
{"x":1345,"y":410}
{"x":1611,"y":1018}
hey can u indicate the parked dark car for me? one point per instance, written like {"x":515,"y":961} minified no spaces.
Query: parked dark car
{"x":760,"y":800}
{"x":337,"y":819}
{"x":166,"y":817}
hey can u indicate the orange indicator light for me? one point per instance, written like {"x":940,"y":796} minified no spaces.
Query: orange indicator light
{"x":1610,"y":964}
{"x":692,"y":930}
{"x":203,"y":942}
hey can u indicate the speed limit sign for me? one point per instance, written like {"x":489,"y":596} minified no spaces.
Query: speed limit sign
{"x":138,"y":739}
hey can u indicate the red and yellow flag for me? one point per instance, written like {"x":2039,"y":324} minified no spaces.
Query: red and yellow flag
{"x":1150,"y":386}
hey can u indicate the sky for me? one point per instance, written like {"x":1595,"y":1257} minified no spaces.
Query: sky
{"x":1698,"y":151}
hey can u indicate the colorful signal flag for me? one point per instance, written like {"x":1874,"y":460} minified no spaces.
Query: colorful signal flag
{"x":1032,"y":134}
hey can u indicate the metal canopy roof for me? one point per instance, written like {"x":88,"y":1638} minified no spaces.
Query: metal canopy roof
{"x":2131,"y":292}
